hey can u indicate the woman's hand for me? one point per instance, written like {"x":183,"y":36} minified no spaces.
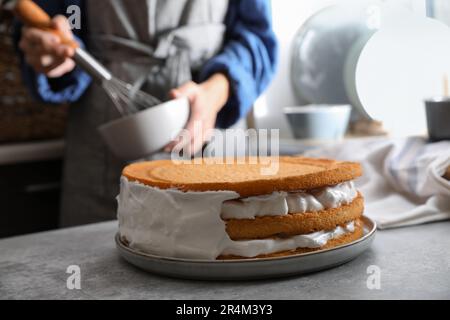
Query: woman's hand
{"x":45,"y":53}
{"x":206,"y":100}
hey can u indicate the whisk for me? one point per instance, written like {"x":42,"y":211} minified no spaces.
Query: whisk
{"x":126,"y":98}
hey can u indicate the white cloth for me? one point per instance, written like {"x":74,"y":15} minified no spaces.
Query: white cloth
{"x":403,"y":180}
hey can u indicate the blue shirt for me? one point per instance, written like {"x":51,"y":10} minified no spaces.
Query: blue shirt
{"x":249,"y":57}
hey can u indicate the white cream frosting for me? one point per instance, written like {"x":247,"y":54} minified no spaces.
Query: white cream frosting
{"x":173,"y":223}
{"x":282,"y":203}
{"x":252,"y":248}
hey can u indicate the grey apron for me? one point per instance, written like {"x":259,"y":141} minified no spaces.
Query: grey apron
{"x":155,"y":45}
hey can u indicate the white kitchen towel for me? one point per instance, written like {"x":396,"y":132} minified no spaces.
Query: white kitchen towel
{"x":403,"y":180}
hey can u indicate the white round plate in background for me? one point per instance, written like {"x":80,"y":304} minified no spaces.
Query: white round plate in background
{"x":401,"y":65}
{"x":320,"y":50}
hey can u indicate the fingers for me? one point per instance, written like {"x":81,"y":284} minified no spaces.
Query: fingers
{"x":188,"y":90}
{"x":44,"y":51}
{"x":44,"y":63}
{"x":178,"y":142}
{"x":35,"y":41}
{"x":61,"y":69}
{"x":188,"y":139}
{"x":200,"y":123}
{"x":62,"y":24}
{"x":196,"y":133}
{"x":189,"y":143}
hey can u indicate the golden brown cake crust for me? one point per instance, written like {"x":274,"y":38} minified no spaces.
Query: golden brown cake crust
{"x":295,"y":173}
{"x":344,"y":239}
{"x":294,"y":224}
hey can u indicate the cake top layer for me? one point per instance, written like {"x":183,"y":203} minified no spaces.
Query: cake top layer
{"x":247,"y":179}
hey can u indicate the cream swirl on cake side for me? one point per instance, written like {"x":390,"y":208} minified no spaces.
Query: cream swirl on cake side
{"x":283,"y":203}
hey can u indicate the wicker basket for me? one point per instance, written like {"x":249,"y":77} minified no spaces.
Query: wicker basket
{"x":21,"y":118}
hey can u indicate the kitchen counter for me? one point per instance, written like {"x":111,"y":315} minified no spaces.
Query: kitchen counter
{"x":414,"y":263}
{"x":31,"y":151}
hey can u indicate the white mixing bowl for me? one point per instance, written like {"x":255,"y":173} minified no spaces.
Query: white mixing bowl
{"x":146,"y":132}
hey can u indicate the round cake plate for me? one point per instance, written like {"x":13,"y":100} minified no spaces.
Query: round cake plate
{"x":250,"y":269}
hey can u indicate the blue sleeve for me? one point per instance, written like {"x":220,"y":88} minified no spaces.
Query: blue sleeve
{"x":66,"y":89}
{"x":249,"y":57}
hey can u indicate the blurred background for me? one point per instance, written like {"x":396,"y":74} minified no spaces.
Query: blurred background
{"x":288,"y":20}
{"x":31,"y":134}
{"x":31,"y":148}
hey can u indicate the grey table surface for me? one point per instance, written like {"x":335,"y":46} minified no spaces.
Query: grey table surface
{"x":413,"y":262}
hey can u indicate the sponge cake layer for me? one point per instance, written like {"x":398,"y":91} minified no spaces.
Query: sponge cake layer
{"x":294,"y":224}
{"x":294,"y":173}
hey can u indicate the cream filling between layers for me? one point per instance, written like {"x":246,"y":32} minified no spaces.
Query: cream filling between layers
{"x":188,"y":225}
{"x":253,"y":248}
{"x":283,"y":203}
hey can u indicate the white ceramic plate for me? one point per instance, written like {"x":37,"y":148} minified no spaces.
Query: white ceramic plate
{"x":321,"y":49}
{"x":249,"y":269}
{"x":403,"y":64}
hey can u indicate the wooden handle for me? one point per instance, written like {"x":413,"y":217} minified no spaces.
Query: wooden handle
{"x":33,"y":16}
{"x":447,"y":174}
